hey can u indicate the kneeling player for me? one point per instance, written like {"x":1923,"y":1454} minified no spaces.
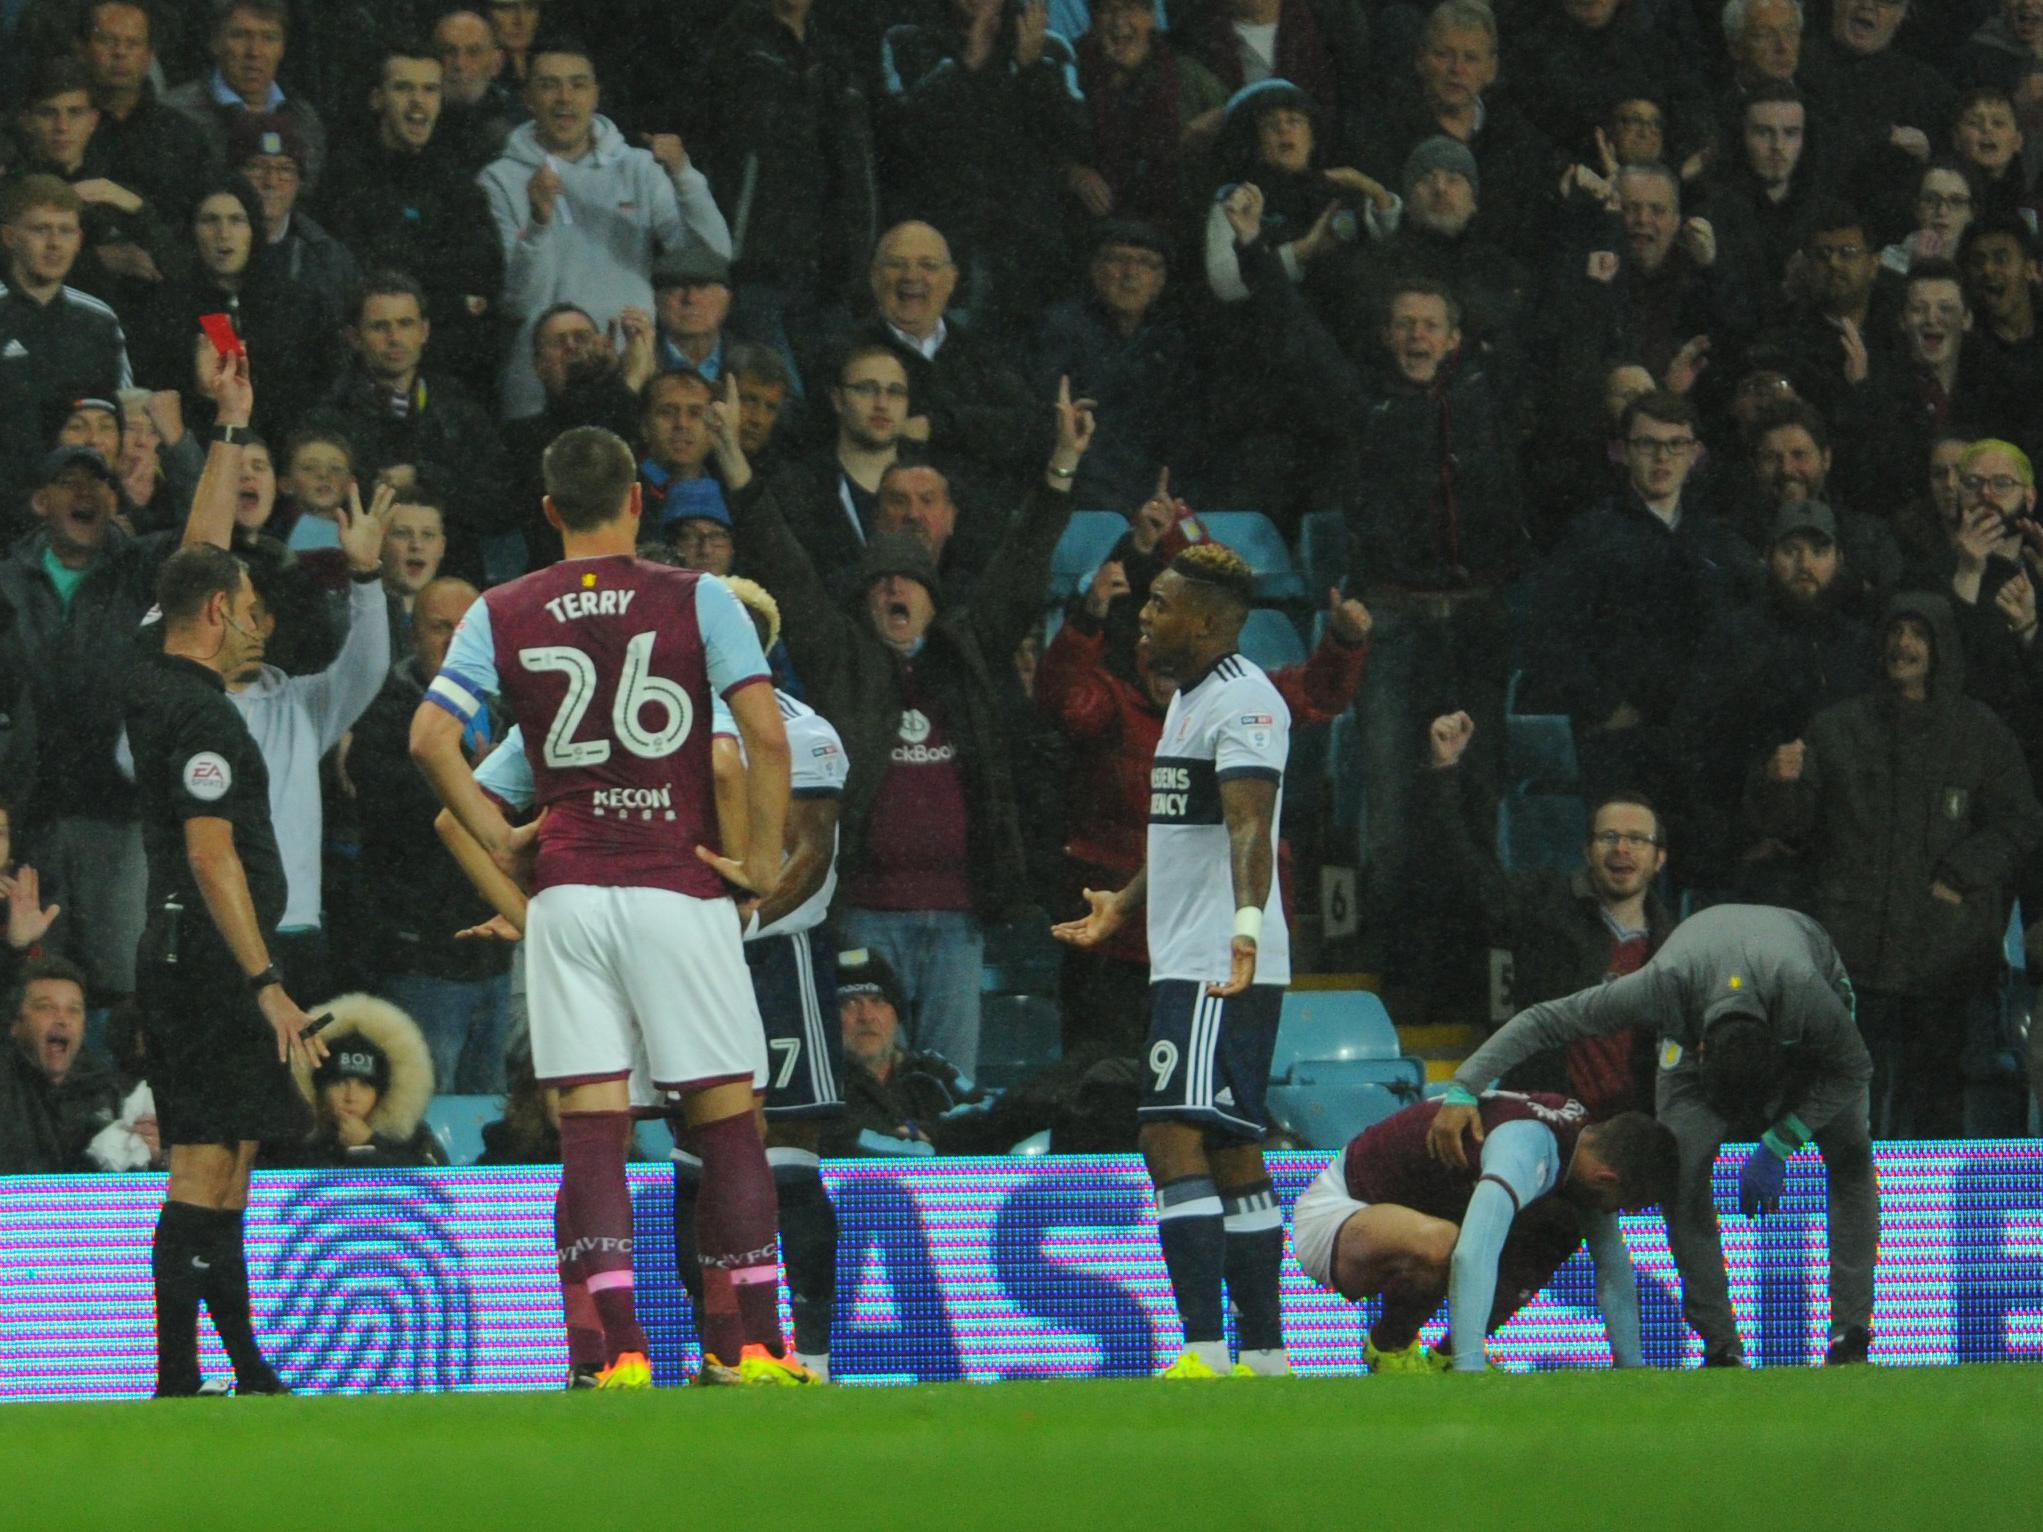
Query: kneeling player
{"x":794,"y":977}
{"x":1386,"y":1218}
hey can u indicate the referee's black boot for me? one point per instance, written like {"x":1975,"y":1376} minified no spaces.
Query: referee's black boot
{"x":1849,"y":1346}
{"x":261,"y":1379}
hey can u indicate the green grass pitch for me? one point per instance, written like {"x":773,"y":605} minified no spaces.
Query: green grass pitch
{"x":1927,"y":1448}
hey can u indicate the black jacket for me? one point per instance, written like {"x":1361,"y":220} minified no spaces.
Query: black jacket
{"x":1895,"y":796}
{"x":292,"y":349}
{"x":1435,"y":503}
{"x":67,"y":669}
{"x":452,"y":440}
{"x":855,"y":680}
{"x":786,"y":141}
{"x":1624,"y":604}
{"x":422,"y":214}
{"x":421,"y":898}
{"x":44,"y":1128}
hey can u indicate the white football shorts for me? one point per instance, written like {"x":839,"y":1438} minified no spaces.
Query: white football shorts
{"x":620,"y":976}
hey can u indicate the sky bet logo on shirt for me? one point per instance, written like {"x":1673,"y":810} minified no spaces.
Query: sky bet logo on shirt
{"x":1259,"y":726}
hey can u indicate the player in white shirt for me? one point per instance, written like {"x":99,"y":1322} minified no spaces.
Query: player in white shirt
{"x":1220,"y":958}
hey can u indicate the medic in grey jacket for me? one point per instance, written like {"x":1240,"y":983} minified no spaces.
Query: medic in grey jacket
{"x":1726,"y":964}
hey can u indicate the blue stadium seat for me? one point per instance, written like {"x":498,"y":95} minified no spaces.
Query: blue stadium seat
{"x":1323,"y":552}
{"x":1018,"y":1035}
{"x":1270,"y":640}
{"x":1344,"y":772}
{"x":1539,"y":831}
{"x":1332,"y":1024}
{"x":457,"y":1122}
{"x":1332,"y":1106}
{"x":1083,"y":548}
{"x":2014,"y":949}
{"x":1256,"y":538}
{"x":1538,"y":747}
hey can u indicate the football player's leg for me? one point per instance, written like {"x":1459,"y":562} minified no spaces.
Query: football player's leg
{"x":797,"y":988}
{"x":1184,"y":1027}
{"x":180,"y":1255}
{"x":577,"y":1306}
{"x":736,"y":1223}
{"x":1403,"y":1255}
{"x":583,"y":1043}
{"x":1253,"y":1221}
{"x":226,"y":1286}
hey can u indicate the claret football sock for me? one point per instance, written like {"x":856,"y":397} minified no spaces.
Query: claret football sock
{"x":178,"y":1261}
{"x":735,"y":1231}
{"x":808,"y":1242}
{"x":596,"y":1214}
{"x":1194,"y":1239}
{"x":1255,"y":1260}
{"x":226,"y":1295}
{"x":584,"y":1328}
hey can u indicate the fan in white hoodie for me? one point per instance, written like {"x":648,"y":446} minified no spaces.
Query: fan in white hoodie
{"x":582,"y":214}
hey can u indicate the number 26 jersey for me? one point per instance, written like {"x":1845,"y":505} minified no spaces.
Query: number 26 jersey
{"x":608,"y":666}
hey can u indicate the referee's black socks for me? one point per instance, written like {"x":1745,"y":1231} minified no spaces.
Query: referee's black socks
{"x":197,"y":1256}
{"x":226,"y":1295}
{"x":180,"y":1261}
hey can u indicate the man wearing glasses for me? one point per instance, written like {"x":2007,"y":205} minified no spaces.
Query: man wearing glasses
{"x":1564,"y":930}
{"x":1634,"y":588}
{"x":1753,"y":1010}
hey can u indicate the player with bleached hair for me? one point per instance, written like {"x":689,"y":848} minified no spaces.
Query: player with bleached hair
{"x":1219,"y":956}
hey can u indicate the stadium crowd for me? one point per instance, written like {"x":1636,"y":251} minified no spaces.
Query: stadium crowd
{"x":1670,"y":367}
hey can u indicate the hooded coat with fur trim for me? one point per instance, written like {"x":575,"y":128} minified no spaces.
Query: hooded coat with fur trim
{"x":399,"y":1136}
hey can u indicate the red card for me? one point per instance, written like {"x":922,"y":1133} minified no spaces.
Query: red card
{"x":220,"y":331}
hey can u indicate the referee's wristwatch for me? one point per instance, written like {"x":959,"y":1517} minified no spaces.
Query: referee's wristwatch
{"x":258,"y":982}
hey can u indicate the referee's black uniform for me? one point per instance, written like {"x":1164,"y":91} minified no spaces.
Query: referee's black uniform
{"x":212,"y":1057}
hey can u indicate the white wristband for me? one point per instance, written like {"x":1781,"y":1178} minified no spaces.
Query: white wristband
{"x":1248,"y":922}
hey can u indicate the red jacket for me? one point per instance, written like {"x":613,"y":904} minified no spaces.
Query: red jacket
{"x":1113,"y":728}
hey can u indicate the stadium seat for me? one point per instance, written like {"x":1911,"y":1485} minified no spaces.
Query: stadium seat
{"x":1021,"y":958}
{"x":1332,"y":1024}
{"x":457,"y":1122}
{"x":1344,"y":772}
{"x":1018,"y":1035}
{"x":1538,"y":747}
{"x":1323,"y":552}
{"x":1539,"y":831}
{"x":1270,"y":640}
{"x":1083,"y":548}
{"x":1330,"y":1103}
{"x":1256,"y":538}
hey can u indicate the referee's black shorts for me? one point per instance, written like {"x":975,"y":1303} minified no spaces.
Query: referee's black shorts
{"x":211,"y":1059}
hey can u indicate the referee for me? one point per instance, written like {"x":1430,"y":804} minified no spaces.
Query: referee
{"x":220,"y":1028}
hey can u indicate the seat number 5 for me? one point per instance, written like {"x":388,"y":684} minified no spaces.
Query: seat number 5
{"x":639,"y":692}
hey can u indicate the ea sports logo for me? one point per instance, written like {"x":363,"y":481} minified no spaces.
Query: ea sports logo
{"x":914,"y":726}
{"x":207,"y":777}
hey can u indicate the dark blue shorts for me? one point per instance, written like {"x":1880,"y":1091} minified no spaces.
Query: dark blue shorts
{"x":1207,"y":1059}
{"x":795,"y":981}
